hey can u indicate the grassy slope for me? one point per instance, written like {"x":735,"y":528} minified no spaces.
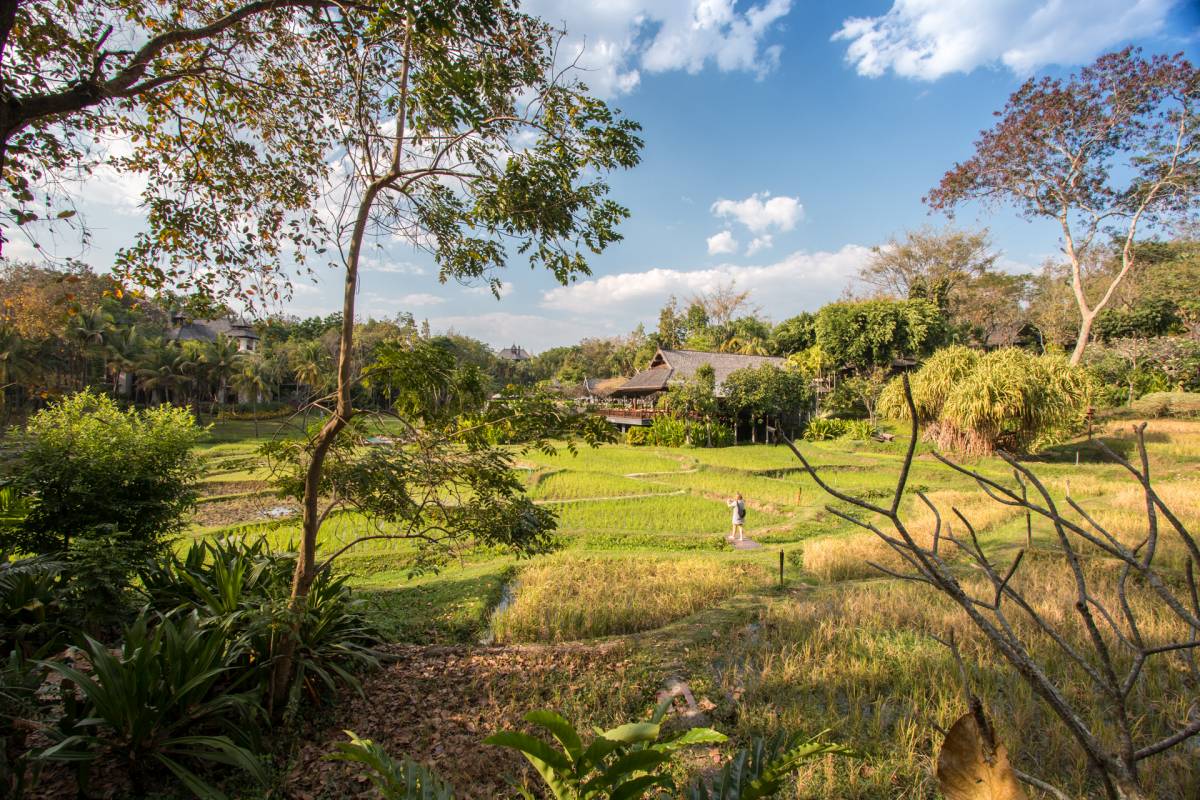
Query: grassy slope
{"x":839,"y":648}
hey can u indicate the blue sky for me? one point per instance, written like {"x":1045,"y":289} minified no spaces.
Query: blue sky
{"x":783,"y":139}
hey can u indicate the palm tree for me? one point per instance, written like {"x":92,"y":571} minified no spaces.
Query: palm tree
{"x":90,"y":331}
{"x":253,"y":379}
{"x":312,"y":365}
{"x":15,"y":364}
{"x":164,"y":367}
{"x":745,"y":345}
{"x":220,"y":359}
{"x":122,"y":350}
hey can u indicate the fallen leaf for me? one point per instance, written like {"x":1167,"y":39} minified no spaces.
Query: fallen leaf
{"x":968,"y":769}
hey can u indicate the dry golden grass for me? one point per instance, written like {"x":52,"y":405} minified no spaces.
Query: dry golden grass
{"x":564,"y":598}
{"x":857,"y":658}
{"x":846,"y":557}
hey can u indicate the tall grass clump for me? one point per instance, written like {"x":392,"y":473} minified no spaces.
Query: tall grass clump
{"x":570,"y":597}
{"x":1007,"y":399}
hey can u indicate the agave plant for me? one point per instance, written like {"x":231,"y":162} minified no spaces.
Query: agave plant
{"x":166,"y":700}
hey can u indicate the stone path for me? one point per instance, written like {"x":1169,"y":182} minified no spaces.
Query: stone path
{"x":744,"y":544}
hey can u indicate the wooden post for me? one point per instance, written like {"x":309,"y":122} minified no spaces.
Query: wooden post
{"x":780,"y":569}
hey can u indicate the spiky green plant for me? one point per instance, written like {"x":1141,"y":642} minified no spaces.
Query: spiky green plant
{"x":395,"y":780}
{"x":1007,"y":399}
{"x":759,"y":770}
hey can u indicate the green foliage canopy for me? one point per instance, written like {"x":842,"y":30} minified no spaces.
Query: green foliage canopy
{"x":89,"y":464}
{"x":865,"y":333}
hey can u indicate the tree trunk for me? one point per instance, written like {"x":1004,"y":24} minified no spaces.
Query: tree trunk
{"x":1085,"y":335}
{"x":306,"y":573}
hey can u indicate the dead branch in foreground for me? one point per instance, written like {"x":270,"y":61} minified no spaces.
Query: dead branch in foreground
{"x":1115,"y":652}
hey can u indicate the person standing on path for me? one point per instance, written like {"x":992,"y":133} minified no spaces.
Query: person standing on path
{"x":739,"y":518}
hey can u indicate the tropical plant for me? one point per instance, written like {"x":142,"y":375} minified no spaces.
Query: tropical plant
{"x":240,"y":587}
{"x":31,"y":600}
{"x":820,"y":429}
{"x":759,"y":770}
{"x":253,"y":379}
{"x":1008,"y":399}
{"x":395,"y":780}
{"x":625,"y":762}
{"x":169,"y":698}
{"x":628,"y":762}
{"x":668,"y":431}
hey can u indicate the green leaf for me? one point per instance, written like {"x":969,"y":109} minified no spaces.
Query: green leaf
{"x":563,"y":731}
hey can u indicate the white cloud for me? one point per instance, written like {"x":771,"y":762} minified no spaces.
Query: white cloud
{"x":760,"y":243}
{"x":500,"y":329}
{"x":616,"y":40}
{"x":388,"y":305}
{"x":799,"y":281}
{"x":379,"y":264}
{"x":722,"y":242}
{"x":504,"y":290}
{"x":927,"y":39}
{"x":760,"y":211}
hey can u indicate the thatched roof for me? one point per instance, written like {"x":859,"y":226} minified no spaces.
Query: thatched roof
{"x":669,"y":367}
{"x":602,"y":387}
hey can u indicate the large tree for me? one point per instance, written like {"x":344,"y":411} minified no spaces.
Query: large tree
{"x":457,"y":135}
{"x":210,"y":100}
{"x":928,"y":262}
{"x":1107,"y":154}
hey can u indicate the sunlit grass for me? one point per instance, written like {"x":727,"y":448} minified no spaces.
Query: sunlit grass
{"x":575,"y":597}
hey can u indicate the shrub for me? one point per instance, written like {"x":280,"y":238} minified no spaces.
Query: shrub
{"x":709,"y":434}
{"x":859,"y":429}
{"x":822,"y":429}
{"x":1008,"y":399}
{"x":90,"y":464}
{"x":668,"y":431}
{"x":638,"y":437}
{"x":164,"y":700}
{"x":242,"y":587}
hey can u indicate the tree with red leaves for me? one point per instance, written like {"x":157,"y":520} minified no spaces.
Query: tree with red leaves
{"x":1108,"y":153}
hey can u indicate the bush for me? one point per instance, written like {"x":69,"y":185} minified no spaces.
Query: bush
{"x":1007,"y":399}
{"x":242,"y":587}
{"x":638,"y":437}
{"x":820,"y":429}
{"x":168,"y":698}
{"x":668,"y":431}
{"x":709,"y":434}
{"x":90,"y":465}
{"x":858,"y":429}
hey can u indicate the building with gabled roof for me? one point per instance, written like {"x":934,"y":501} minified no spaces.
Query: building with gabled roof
{"x":207,"y":330}
{"x":671,"y":367}
{"x":514,"y":353}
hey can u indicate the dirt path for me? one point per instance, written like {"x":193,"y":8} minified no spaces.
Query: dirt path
{"x":437,"y":704}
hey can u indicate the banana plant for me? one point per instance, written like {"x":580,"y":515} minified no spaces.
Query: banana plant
{"x":758,"y":771}
{"x":623,"y":763}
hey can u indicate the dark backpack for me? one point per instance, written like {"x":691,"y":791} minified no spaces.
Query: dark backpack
{"x":741,"y":507}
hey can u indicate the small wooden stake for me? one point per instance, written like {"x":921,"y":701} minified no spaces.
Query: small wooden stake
{"x":780,"y":569}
